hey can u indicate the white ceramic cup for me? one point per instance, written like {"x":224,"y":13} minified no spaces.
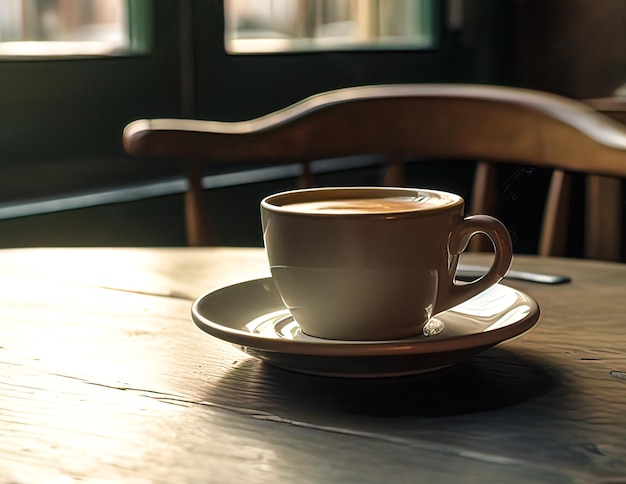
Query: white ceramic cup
{"x":373,"y":263}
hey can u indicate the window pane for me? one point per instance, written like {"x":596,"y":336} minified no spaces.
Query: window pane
{"x":63,"y":27}
{"x":257,"y":26}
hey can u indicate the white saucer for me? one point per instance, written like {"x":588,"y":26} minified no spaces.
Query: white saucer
{"x":251,"y":316}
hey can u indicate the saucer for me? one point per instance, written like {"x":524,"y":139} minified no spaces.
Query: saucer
{"x":251,"y":316}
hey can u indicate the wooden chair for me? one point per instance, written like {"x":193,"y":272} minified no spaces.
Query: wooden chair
{"x":613,"y":107}
{"x":487,"y":124}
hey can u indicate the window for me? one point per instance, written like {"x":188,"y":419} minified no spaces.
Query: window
{"x":67,"y":27}
{"x":268,"y":26}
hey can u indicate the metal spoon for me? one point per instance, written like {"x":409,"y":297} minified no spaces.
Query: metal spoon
{"x":469,"y":273}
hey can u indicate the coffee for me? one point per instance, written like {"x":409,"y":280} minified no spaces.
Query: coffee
{"x":397,"y":204}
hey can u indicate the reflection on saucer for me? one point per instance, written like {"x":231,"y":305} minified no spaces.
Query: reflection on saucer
{"x":433,"y":326}
{"x":251,"y":316}
{"x":281,"y":324}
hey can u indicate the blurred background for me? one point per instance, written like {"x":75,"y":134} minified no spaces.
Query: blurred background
{"x":73,"y":73}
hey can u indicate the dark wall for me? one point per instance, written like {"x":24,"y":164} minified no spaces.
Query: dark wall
{"x":575,"y":48}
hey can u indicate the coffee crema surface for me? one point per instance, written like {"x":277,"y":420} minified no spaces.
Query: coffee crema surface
{"x":370,"y":205}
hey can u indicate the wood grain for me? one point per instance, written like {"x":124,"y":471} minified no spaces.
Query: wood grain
{"x":103,"y":377}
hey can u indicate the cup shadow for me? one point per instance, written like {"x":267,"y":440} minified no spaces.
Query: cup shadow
{"x":496,"y":379}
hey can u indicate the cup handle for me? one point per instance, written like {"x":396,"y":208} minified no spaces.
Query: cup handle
{"x":452,"y":293}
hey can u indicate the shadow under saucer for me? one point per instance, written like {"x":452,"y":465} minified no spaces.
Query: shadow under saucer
{"x":494,"y":380}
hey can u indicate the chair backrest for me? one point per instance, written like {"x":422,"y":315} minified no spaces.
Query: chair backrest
{"x":487,"y":124}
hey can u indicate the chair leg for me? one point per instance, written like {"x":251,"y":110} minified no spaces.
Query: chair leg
{"x":484,"y":200}
{"x":196,"y":212}
{"x":394,"y":172}
{"x":306,"y":179}
{"x":553,"y":236}
{"x":603,"y":219}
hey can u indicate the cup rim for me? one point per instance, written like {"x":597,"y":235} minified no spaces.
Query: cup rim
{"x":317,"y":194}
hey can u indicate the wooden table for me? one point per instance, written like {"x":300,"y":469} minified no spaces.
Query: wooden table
{"x":104,"y":377}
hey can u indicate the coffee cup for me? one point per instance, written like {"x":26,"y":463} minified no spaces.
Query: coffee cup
{"x":373,"y":263}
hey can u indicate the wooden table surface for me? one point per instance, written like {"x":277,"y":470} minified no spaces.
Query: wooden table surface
{"x":104,"y":377}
